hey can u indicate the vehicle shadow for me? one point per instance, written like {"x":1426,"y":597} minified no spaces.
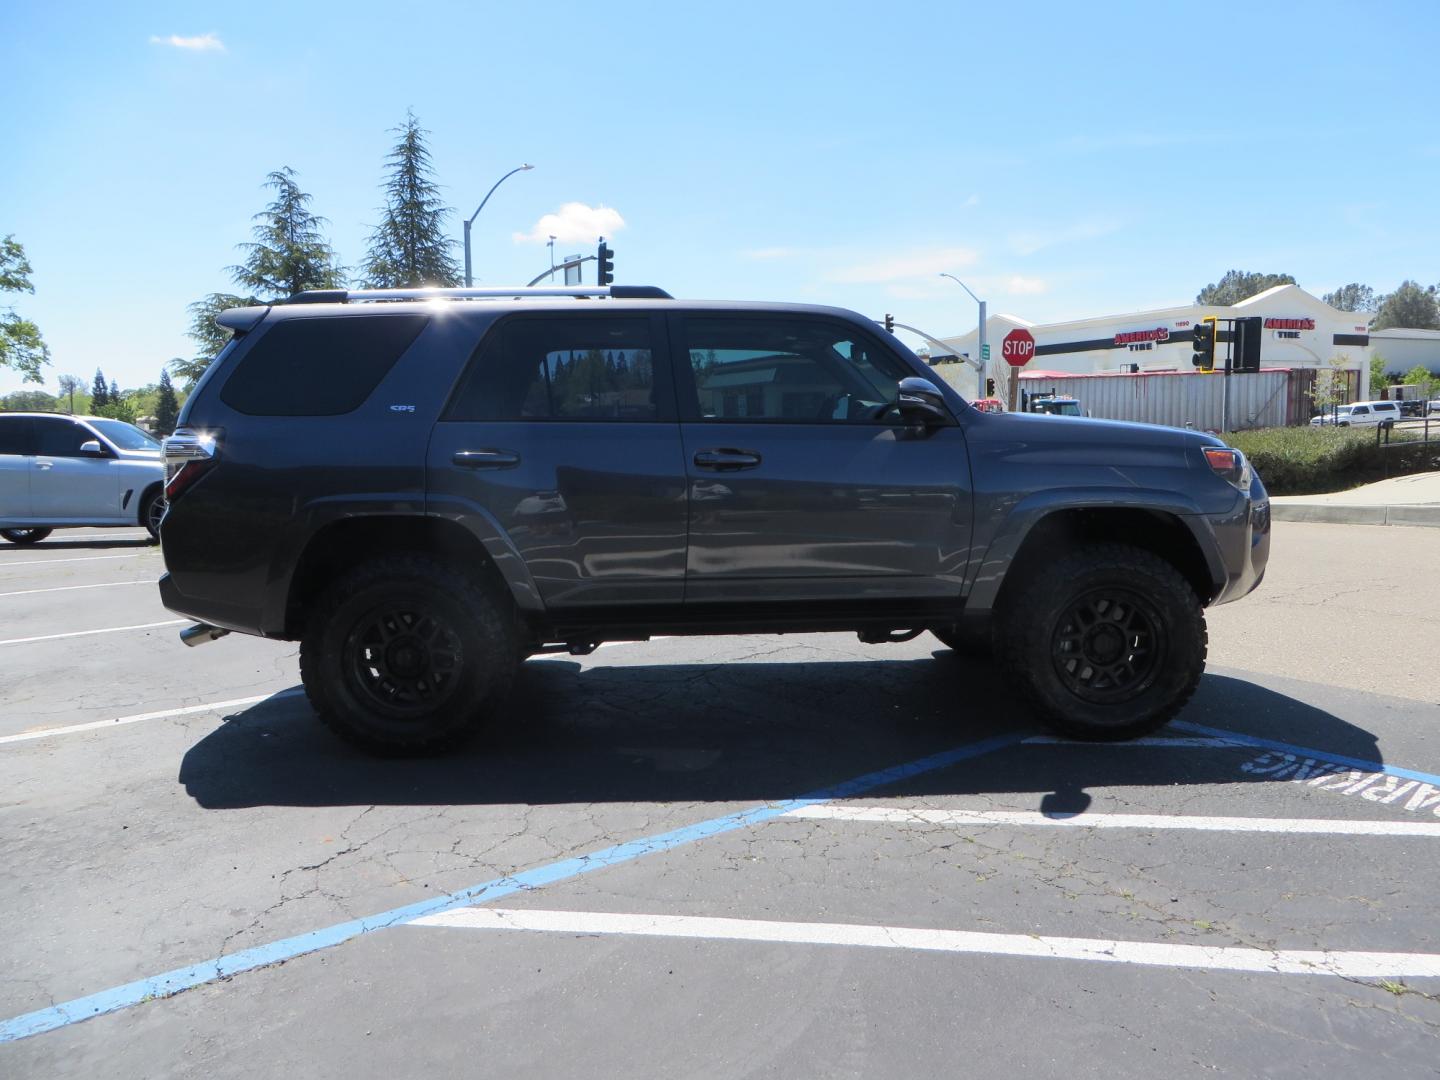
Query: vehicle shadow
{"x":70,"y":545}
{"x":737,"y":732}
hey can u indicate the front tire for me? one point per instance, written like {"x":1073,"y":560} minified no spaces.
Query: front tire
{"x":25,"y":536}
{"x":408,"y":655}
{"x":1107,"y":643}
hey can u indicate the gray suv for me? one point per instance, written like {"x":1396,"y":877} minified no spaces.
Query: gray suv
{"x":425,"y":487}
{"x":68,"y":471}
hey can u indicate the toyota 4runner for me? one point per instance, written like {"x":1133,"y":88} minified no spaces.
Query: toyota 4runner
{"x":424,"y":487}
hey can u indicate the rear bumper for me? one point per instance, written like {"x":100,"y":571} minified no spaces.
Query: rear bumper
{"x":241,"y":619}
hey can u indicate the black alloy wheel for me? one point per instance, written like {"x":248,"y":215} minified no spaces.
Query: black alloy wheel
{"x":1107,"y":641}
{"x":405,"y":658}
{"x":1108,"y":645}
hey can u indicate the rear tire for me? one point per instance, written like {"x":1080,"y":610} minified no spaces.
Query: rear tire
{"x":25,"y":536}
{"x":1107,"y":643}
{"x":408,"y":655}
{"x":152,"y":511}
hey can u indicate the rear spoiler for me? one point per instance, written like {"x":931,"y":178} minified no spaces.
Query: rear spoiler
{"x":241,"y":320}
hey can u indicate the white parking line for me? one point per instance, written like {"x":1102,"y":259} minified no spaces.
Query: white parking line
{"x":1154,"y":954}
{"x":87,"y":633}
{"x":70,"y":588}
{"x":894,"y":815}
{"x":5,"y":565}
{"x":189,"y":710}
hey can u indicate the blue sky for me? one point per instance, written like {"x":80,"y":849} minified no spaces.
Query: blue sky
{"x":1065,"y":160}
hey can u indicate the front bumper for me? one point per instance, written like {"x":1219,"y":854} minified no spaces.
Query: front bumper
{"x":1243,"y":537}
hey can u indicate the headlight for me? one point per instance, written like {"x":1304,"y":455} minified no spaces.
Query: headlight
{"x":1230,"y":465}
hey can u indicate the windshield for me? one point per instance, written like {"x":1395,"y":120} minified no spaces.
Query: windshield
{"x":125,"y":436}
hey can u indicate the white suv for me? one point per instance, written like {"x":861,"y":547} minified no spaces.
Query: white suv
{"x":66,"y":471}
{"x":1362,"y":412}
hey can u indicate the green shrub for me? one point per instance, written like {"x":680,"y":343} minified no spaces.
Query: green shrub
{"x":1306,"y":460}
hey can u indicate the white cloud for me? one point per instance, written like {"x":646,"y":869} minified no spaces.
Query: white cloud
{"x":914,"y":264}
{"x":1029,"y":241}
{"x":973,"y":200}
{"x":575,"y":222}
{"x":1017,"y":285}
{"x":200,"y":43}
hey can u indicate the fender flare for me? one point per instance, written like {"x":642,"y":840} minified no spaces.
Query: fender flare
{"x":990,"y":569}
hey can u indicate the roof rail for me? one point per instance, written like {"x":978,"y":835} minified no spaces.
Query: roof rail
{"x":348,"y":296}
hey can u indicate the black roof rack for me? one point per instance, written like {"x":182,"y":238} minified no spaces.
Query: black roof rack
{"x":347,"y":296}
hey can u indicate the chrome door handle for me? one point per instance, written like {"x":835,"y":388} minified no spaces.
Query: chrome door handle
{"x":725,"y":460}
{"x":487,"y":458}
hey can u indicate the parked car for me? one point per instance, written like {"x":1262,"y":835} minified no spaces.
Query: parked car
{"x":1359,"y":414}
{"x":66,"y":471}
{"x":1410,"y":407}
{"x":988,"y":404}
{"x":423,"y":487}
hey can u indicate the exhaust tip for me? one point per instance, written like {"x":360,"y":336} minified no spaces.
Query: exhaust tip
{"x":201,"y":634}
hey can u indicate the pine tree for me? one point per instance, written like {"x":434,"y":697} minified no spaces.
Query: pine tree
{"x":409,"y":248}
{"x":114,"y":392}
{"x":289,"y":254}
{"x":167,"y":409}
{"x":99,"y":391}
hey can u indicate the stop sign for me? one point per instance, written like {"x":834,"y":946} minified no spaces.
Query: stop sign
{"x":1018,"y":348}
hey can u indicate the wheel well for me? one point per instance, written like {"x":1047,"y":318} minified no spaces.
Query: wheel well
{"x":342,"y":545}
{"x":1160,"y":533}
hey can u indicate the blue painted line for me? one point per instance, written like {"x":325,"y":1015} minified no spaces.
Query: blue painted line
{"x":223,"y":967}
{"x":1304,"y":751}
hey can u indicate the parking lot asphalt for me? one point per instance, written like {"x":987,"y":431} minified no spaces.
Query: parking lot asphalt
{"x":745,"y":856}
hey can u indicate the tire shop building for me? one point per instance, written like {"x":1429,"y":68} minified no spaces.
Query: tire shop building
{"x":1301,"y":334}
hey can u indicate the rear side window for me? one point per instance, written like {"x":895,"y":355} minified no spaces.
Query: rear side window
{"x":571,"y":368}
{"x":14,"y":435}
{"x":319,"y":367}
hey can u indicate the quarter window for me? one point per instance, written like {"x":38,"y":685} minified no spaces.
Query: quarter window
{"x":797,"y":371}
{"x":562,"y":369}
{"x":319,"y":367}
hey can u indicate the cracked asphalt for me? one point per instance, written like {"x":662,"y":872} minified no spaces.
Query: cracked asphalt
{"x":139,"y":848}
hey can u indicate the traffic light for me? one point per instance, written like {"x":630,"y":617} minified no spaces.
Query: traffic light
{"x":890,"y":322}
{"x":1204,"y":355}
{"x":1248,"y":333}
{"x":604,"y":264}
{"x":989,"y":387}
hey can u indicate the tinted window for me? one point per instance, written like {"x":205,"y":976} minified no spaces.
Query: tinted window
{"x":125,"y":436}
{"x":14,"y":437}
{"x":319,"y":367}
{"x":561,"y":369}
{"x":789,"y":369}
{"x":59,"y":438}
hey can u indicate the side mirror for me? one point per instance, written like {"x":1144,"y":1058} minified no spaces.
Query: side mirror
{"x":92,"y":448}
{"x":920,"y":402}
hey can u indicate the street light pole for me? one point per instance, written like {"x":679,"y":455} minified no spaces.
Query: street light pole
{"x":984,"y":360}
{"x":472,"y":217}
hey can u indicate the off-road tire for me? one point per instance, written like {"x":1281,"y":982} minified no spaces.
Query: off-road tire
{"x":1145,"y":634}
{"x":408,"y":655}
{"x":25,"y":536}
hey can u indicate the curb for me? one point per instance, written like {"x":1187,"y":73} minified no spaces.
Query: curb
{"x":1341,"y":514}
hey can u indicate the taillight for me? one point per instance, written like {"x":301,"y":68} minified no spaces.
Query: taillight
{"x":189,"y":454}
